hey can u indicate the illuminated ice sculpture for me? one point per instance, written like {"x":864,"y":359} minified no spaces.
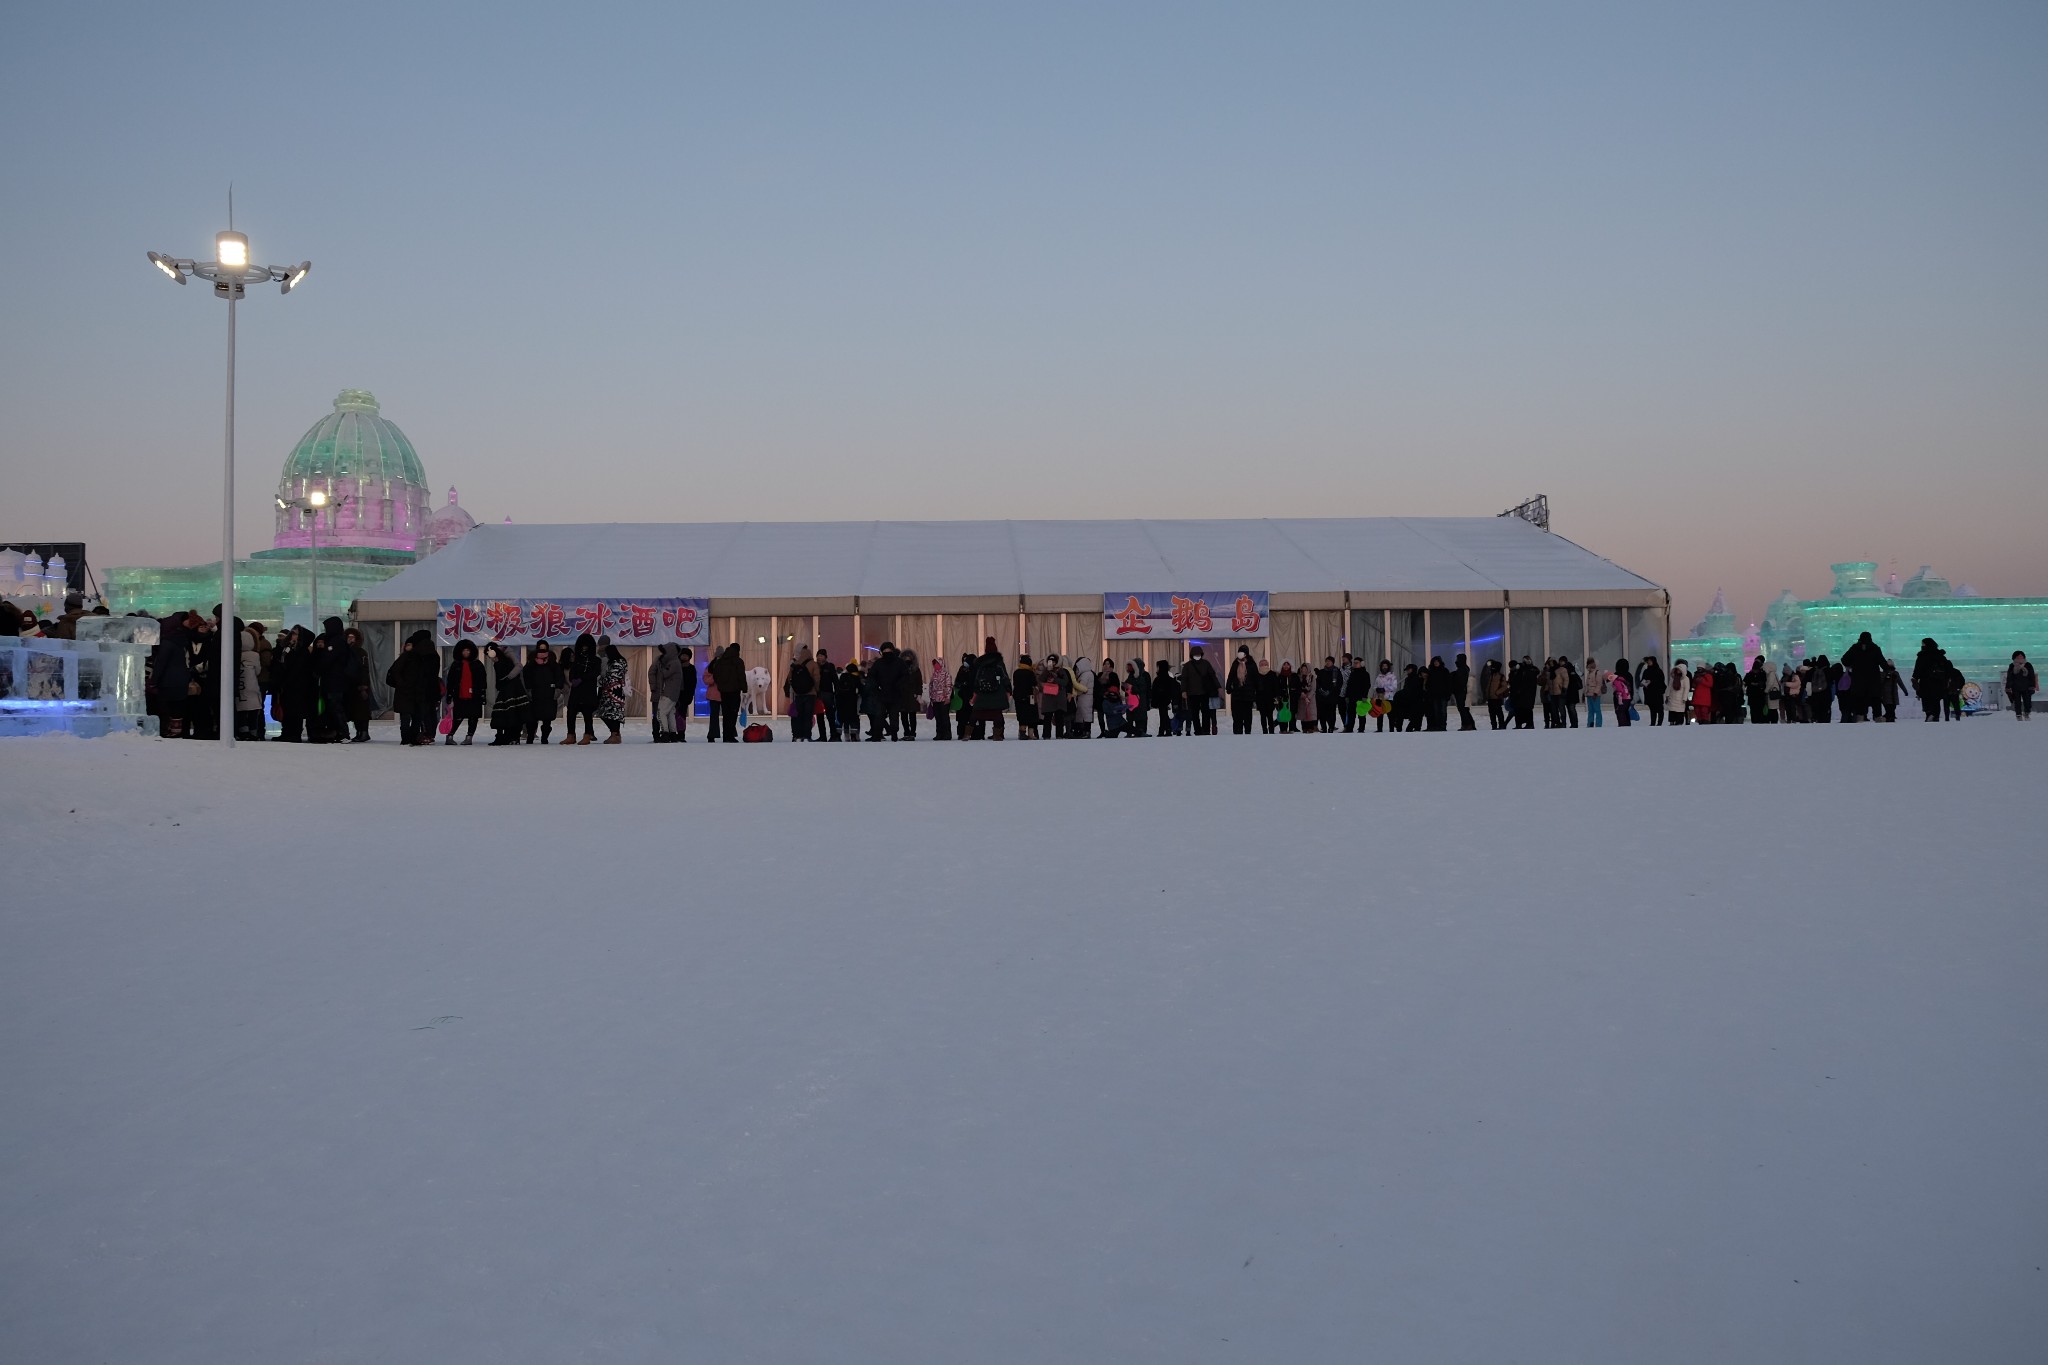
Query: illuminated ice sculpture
{"x":90,"y":686}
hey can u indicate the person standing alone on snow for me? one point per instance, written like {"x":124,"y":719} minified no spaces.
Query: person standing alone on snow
{"x":2021,"y":683}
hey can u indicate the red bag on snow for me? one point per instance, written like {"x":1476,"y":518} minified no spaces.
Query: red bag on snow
{"x":757,"y":733}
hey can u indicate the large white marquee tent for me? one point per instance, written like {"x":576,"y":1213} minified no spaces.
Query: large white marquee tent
{"x":1400,"y":588}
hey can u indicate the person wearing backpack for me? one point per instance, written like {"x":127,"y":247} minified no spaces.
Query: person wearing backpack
{"x":991,"y":690}
{"x":801,"y":688}
{"x":1624,"y":695}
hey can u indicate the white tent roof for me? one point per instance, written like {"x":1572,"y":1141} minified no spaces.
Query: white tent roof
{"x":1011,"y":559}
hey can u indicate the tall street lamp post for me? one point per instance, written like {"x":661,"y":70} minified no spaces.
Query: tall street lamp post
{"x":231,"y":274}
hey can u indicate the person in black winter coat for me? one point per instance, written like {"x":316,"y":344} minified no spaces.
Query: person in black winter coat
{"x":1436,"y":692}
{"x":1650,"y":683}
{"x":1024,"y":687}
{"x":1240,"y":688}
{"x":990,"y":694}
{"x":1523,"y":683}
{"x":963,"y":689}
{"x":689,"y":701}
{"x":293,"y":687}
{"x":415,"y":682}
{"x":583,"y":670}
{"x":543,"y":678}
{"x":1930,"y":678}
{"x":169,"y":676}
{"x":909,"y":687}
{"x":341,"y":672}
{"x":848,"y":688}
{"x":508,"y":707}
{"x":1266,"y":695}
{"x":1461,"y":693}
{"x":828,"y":692}
{"x":466,"y":689}
{"x":1357,"y":689}
{"x":1166,"y":694}
{"x":1329,"y":695}
{"x":729,"y":674}
{"x":1865,"y":662}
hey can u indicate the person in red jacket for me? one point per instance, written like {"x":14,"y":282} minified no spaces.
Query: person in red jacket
{"x":465,"y":689}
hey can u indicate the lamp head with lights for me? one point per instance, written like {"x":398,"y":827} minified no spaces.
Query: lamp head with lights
{"x":231,"y":249}
{"x":295,"y":277}
{"x":318,"y":497}
{"x":167,"y":265}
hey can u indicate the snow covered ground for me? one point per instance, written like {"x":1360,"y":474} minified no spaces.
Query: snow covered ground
{"x":1722,"y":1045}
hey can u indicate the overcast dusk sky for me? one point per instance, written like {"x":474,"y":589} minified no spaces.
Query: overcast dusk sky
{"x":1745,"y":289}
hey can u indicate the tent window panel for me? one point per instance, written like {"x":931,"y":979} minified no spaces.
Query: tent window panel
{"x":1646,"y":632}
{"x":1404,"y":639}
{"x":920,"y":635}
{"x":1369,"y":636}
{"x":963,"y":636}
{"x":1525,"y":633}
{"x":1568,"y":634}
{"x":1604,"y":642}
{"x":1084,"y":635}
{"x":1325,"y":636}
{"x":1447,"y":634}
{"x":1041,"y":634}
{"x":1486,"y":643}
{"x":1286,"y":641}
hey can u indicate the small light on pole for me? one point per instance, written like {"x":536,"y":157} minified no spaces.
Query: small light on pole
{"x":231,"y":249}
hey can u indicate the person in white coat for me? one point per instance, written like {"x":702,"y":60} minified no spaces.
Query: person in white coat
{"x":248,"y":685}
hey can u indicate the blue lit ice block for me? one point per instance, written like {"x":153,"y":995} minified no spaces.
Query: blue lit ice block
{"x":90,"y":686}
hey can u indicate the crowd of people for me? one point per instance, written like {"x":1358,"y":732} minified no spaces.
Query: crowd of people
{"x":317,"y":688}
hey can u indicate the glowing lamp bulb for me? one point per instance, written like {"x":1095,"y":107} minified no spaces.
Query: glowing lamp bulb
{"x":231,"y":249}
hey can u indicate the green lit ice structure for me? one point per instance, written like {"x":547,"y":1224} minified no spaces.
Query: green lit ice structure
{"x":1978,"y":633}
{"x":376,"y":522}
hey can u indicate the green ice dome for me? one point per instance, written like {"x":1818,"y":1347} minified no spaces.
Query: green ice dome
{"x":367,"y":471}
{"x":355,"y":441}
